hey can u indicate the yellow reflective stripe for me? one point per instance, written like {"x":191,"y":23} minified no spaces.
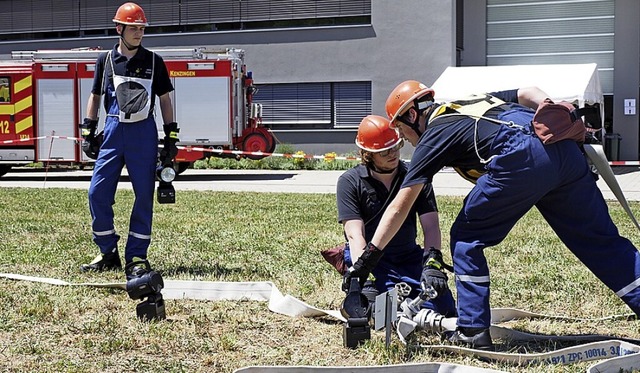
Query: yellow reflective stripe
{"x":7,"y":110}
{"x":25,"y":103}
{"x":22,"y":84}
{"x":24,"y":124}
{"x":434,"y":263}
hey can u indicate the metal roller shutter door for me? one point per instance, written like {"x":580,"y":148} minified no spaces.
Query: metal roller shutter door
{"x":526,"y":32}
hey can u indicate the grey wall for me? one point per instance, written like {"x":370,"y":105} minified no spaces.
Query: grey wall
{"x":627,"y":75}
{"x":474,"y":48}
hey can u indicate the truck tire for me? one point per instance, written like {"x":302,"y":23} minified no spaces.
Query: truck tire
{"x":256,"y":142}
{"x":4,"y":169}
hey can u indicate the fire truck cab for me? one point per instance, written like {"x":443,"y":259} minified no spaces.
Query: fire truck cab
{"x":43,"y":97}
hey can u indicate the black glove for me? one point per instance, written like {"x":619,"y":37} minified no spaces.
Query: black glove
{"x":363,"y":266}
{"x":432,"y":272}
{"x":90,"y":142}
{"x":169,"y":150}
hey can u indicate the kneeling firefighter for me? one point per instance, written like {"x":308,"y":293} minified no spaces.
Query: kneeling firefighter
{"x":130,"y":77}
{"x":363,"y":193}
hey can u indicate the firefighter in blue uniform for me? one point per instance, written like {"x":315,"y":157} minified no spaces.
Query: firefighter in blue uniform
{"x":362,"y":194}
{"x":517,"y":171}
{"x":129,"y":76}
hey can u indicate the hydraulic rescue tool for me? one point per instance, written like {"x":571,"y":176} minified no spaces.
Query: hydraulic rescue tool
{"x":143,"y":282}
{"x":355,"y":308}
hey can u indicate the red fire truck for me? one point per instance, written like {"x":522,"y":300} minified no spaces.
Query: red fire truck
{"x":43,"y":97}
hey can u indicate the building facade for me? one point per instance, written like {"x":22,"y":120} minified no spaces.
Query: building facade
{"x":321,"y":65}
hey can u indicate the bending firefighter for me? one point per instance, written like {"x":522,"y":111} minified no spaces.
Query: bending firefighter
{"x":129,"y":76}
{"x":516,"y":171}
{"x":363,"y":193}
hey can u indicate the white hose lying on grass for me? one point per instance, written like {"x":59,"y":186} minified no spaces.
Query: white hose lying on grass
{"x":595,"y":153}
{"x":619,"y":354}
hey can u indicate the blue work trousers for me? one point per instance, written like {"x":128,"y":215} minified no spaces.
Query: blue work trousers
{"x":557,"y":180}
{"x":136,"y":146}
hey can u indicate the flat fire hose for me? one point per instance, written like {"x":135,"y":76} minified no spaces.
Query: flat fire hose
{"x":264,"y":291}
{"x":619,"y":354}
{"x":599,"y":159}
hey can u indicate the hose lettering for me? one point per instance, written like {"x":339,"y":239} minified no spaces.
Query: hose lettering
{"x":595,"y":352}
{"x":620,"y":351}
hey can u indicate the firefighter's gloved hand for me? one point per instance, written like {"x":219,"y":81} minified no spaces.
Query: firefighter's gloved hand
{"x":88,"y":128}
{"x":432,"y":272}
{"x":169,"y":150}
{"x":90,"y":142}
{"x":363,"y":266}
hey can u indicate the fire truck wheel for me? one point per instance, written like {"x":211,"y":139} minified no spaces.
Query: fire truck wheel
{"x":181,"y":167}
{"x":272,"y":144}
{"x":4,"y":169}
{"x":255,"y":142}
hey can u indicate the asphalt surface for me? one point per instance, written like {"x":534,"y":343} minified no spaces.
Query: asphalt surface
{"x":446,"y":182}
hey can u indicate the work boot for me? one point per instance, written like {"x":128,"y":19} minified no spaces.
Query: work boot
{"x":477,"y":338}
{"x":103,"y":262}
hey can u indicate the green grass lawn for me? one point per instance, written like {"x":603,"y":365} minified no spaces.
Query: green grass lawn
{"x":221,"y":236}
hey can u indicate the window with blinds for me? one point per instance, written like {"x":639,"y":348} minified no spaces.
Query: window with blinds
{"x":314,"y":105}
{"x":552,"y":32}
{"x":352,"y":101}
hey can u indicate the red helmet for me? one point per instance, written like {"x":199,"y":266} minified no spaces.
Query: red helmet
{"x":403,"y":96}
{"x":130,"y":14}
{"x":375,"y":135}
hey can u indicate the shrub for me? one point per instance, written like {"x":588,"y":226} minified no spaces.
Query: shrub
{"x":301,"y":161}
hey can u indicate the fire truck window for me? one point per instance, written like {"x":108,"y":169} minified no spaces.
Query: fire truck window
{"x":5,"y":95}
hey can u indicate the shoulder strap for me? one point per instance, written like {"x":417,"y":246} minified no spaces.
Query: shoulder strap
{"x":372,"y":192}
{"x":103,"y":90}
{"x":108,"y":67}
{"x":475,"y":106}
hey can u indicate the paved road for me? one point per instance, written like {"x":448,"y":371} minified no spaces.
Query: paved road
{"x":446,"y":182}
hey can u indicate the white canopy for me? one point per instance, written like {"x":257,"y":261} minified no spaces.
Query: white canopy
{"x":571,"y":82}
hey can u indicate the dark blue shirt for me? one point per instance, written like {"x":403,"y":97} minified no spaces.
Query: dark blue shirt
{"x":360,"y":196}
{"x":450,"y":142}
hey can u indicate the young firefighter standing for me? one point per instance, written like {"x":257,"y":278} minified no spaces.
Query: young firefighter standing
{"x":517,"y":172}
{"x":129,"y":76}
{"x":363,"y":192}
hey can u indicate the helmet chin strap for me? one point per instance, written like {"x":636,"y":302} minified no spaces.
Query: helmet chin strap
{"x":420,"y":108}
{"x":124,"y":42}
